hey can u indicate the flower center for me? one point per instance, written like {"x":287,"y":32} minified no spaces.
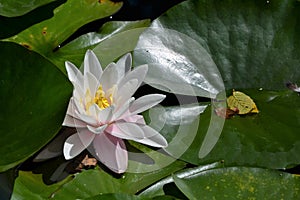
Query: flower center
{"x":101,"y":100}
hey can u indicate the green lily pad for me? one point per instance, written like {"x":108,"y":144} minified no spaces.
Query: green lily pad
{"x":119,"y":44}
{"x":34,"y":98}
{"x":160,"y":187}
{"x":13,"y":8}
{"x":13,"y":25}
{"x":45,"y":37}
{"x":108,"y":43}
{"x":240,"y":183}
{"x":116,"y":196}
{"x":254,"y":43}
{"x":82,"y":185}
{"x":267,"y":139}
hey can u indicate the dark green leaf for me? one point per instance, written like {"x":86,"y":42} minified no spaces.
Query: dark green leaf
{"x":13,"y":8}
{"x":254,"y":43}
{"x":267,"y":139}
{"x":240,"y":183}
{"x":88,"y":183}
{"x":112,"y":48}
{"x":46,"y":36}
{"x":34,"y":97}
{"x":108,"y":44}
{"x":12,"y":25}
{"x":116,"y":196}
{"x":158,"y":188}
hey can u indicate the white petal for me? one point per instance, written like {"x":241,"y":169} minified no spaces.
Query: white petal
{"x":109,"y":77}
{"x":122,"y":110}
{"x":124,"y":64}
{"x":138,"y":73}
{"x":105,"y":115}
{"x":71,"y":109}
{"x":125,"y":130}
{"x":152,"y":138}
{"x":97,"y":130}
{"x":73,"y":146}
{"x":86,"y":137}
{"x":73,"y":122}
{"x":74,"y":74}
{"x":145,"y":102}
{"x":87,"y":119}
{"x":92,"y":64}
{"x":111,"y":151}
{"x":90,"y":83}
{"x":78,"y":91}
{"x":126,"y":91}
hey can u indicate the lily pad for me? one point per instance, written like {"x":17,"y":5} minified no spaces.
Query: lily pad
{"x":240,"y":183}
{"x":82,"y":185}
{"x":160,"y":187}
{"x":266,"y":139}
{"x":13,"y":8}
{"x":45,"y":37}
{"x":34,"y":98}
{"x":254,"y":44}
{"x":108,"y":43}
{"x":116,"y":196}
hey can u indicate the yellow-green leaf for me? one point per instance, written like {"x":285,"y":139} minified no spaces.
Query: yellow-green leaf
{"x":241,"y":103}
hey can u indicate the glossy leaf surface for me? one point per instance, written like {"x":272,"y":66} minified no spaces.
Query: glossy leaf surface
{"x":240,"y":183}
{"x":34,"y":97}
{"x":13,"y":8}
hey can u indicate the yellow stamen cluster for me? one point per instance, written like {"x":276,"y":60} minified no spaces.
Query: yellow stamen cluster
{"x":100,"y":98}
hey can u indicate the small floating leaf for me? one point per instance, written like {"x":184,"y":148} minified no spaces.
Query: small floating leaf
{"x":241,"y":102}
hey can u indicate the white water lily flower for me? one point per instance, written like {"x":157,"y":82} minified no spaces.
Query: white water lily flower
{"x":104,"y":112}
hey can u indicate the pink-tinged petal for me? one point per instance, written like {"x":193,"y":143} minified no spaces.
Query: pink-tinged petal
{"x":124,"y":64}
{"x":97,"y":130}
{"x":73,"y":146}
{"x":141,"y":120}
{"x":125,"y":130}
{"x":74,"y":75}
{"x":73,"y":122}
{"x":138,"y":73}
{"x":152,"y":138}
{"x":105,"y":115}
{"x":92,"y":64}
{"x":122,"y":110}
{"x":86,"y":136}
{"x":138,"y":119}
{"x":111,"y":151}
{"x":125,"y":92}
{"x":145,"y":102}
{"x":109,"y":77}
